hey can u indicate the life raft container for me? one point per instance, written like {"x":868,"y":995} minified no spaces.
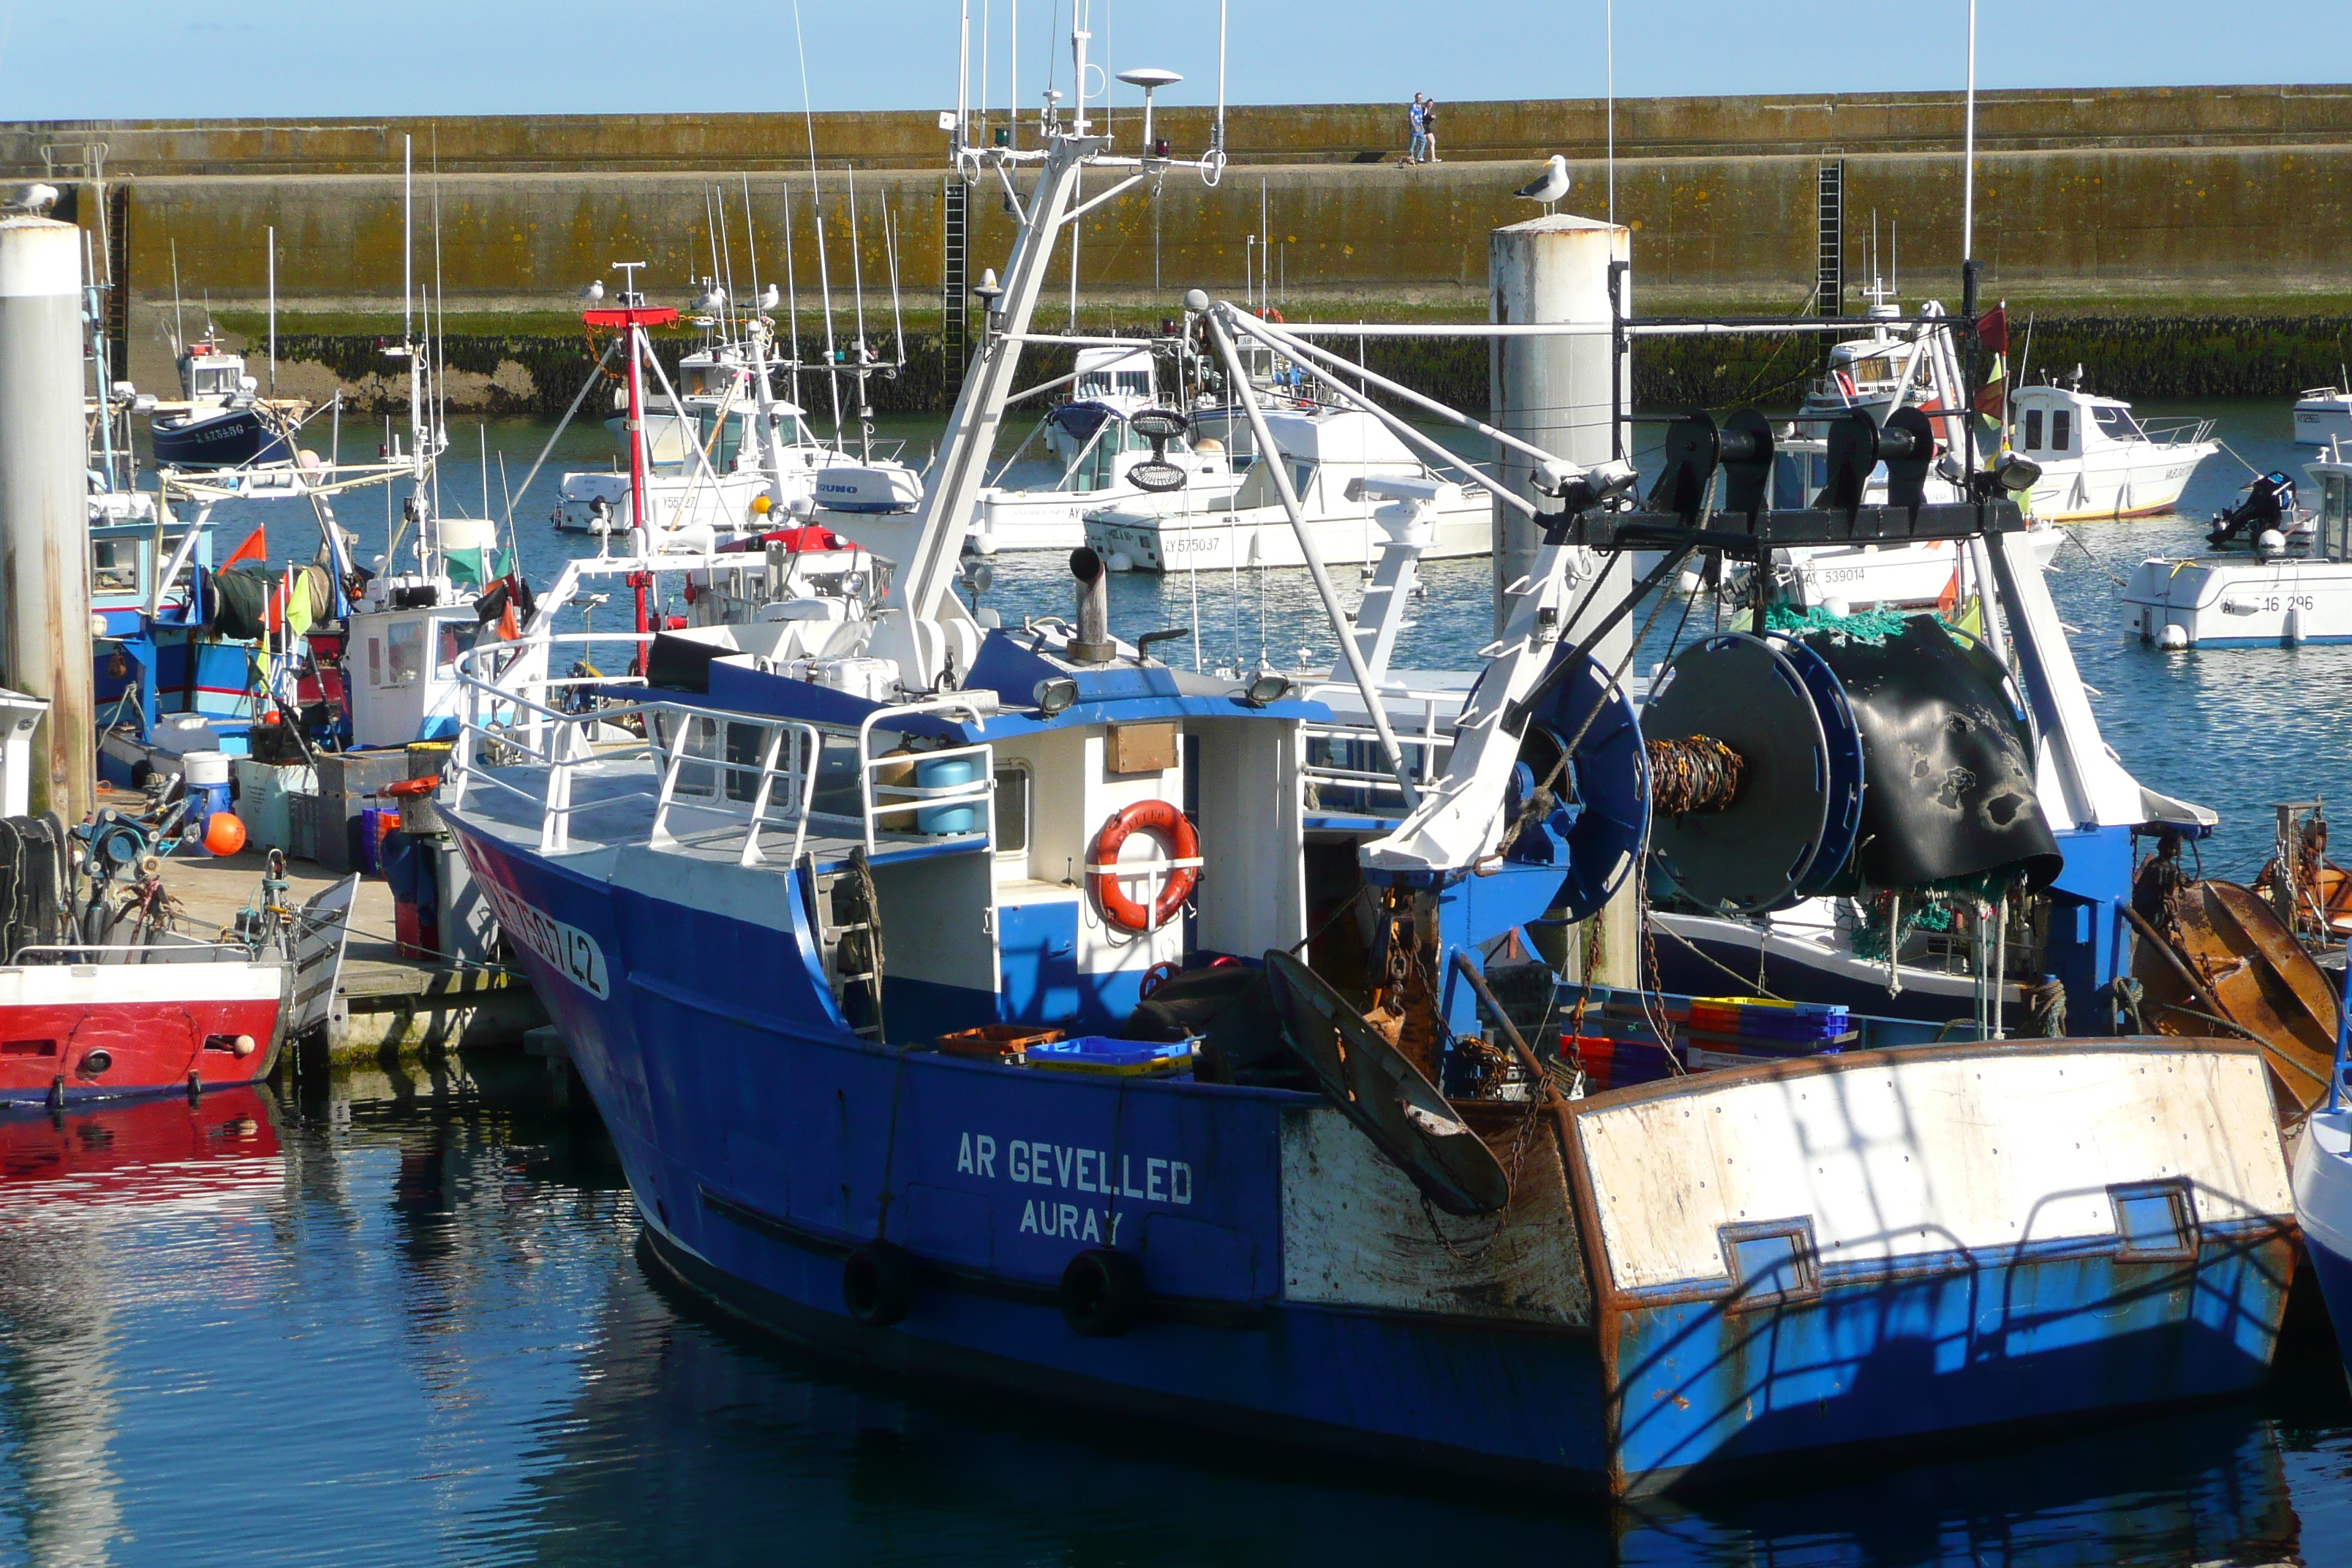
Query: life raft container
{"x":1178,"y":838}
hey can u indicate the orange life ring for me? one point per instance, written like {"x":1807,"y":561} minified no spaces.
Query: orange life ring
{"x":1174,"y":830}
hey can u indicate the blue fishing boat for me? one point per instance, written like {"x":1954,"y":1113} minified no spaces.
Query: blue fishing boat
{"x":1002,"y":1006}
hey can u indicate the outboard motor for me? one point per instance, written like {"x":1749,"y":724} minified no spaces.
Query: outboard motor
{"x":2269,"y":505}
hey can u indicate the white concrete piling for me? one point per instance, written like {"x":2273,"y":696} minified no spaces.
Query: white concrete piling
{"x":45,"y":634}
{"x":1554,"y":392}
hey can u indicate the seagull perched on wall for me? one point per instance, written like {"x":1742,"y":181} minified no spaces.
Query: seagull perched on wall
{"x":1549,"y":186}
{"x":770,"y":296}
{"x":594,"y":292}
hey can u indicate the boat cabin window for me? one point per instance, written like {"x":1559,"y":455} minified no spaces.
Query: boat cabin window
{"x":114,"y":566}
{"x":2062,"y":430}
{"x":1258,"y":489}
{"x":1012,"y":808}
{"x":1093,"y":470}
{"x":212,"y":380}
{"x":404,"y":654}
{"x":2033,"y":429}
{"x":2117,"y":423}
{"x":729,"y":428}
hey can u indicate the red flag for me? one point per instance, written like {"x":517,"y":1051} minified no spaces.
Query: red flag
{"x":1992,"y":330}
{"x":254,"y":548}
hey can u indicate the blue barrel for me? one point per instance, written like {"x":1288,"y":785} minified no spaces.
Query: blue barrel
{"x":963,"y":817}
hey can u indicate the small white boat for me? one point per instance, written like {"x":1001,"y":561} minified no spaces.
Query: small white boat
{"x":2322,"y":415}
{"x":1121,"y":380}
{"x":2097,"y":460}
{"x":1051,"y":513}
{"x":2264,"y":600}
{"x":1328,"y":454}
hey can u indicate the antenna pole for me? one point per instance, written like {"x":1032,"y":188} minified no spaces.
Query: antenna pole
{"x":1217,"y":138}
{"x":1969,"y":152}
{"x":273,"y":318}
{"x":179,"y":308}
{"x":792,"y":306}
{"x":1012,"y":79}
{"x":1608,"y":12}
{"x":864,"y":355}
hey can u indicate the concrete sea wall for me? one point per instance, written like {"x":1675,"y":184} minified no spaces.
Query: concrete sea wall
{"x":2196,"y":207}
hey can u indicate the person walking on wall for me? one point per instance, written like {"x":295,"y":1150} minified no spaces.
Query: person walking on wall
{"x":1429,"y":130}
{"x":1413,"y":118}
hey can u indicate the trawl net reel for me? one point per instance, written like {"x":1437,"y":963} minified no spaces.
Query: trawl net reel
{"x":1895,"y":763}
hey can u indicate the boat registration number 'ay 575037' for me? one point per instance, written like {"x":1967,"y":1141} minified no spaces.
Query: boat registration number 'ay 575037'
{"x":572,"y":950}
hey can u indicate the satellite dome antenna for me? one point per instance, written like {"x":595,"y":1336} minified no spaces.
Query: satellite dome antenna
{"x":1149,"y":79}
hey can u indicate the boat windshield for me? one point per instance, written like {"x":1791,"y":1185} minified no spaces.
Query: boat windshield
{"x":2116,"y":422}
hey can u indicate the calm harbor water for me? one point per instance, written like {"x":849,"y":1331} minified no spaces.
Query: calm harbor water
{"x":405,"y":1318}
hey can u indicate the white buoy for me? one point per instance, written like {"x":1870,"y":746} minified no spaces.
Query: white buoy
{"x":2174,"y":635}
{"x":45,"y":645}
{"x":1689,"y":585}
{"x":1834,"y":605}
{"x":2271,"y":541}
{"x":2293,"y":635}
{"x":1118,"y":562}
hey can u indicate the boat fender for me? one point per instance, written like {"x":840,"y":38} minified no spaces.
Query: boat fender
{"x":878,"y":1284}
{"x":1103,"y":1293}
{"x":1174,"y":830}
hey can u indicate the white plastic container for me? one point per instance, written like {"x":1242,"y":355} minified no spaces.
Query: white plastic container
{"x":177,"y":734}
{"x":868,"y":679}
{"x":204,"y":768}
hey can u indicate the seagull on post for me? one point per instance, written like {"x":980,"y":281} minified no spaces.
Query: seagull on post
{"x":1549,"y":186}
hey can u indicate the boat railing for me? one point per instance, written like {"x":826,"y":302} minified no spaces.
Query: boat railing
{"x":504,"y":722}
{"x":885,"y":779}
{"x":737,"y":768}
{"x":1345,"y":754}
{"x":181,"y":949}
{"x":2179,"y":432}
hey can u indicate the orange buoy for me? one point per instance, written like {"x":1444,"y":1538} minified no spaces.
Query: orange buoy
{"x":224,"y":834}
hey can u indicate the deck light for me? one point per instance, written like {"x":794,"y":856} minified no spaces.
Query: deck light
{"x":1266,"y":688}
{"x":1055,"y":695}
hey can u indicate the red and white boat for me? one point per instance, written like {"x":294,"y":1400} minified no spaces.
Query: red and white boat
{"x":70,"y":1032}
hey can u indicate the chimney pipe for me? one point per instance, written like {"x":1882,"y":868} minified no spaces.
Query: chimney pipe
{"x":1093,"y":643}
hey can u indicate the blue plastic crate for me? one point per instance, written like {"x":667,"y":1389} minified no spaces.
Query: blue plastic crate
{"x":1117,"y":1058}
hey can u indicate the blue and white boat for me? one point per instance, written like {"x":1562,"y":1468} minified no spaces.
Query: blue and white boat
{"x":2323,"y":1196}
{"x":778,"y":896}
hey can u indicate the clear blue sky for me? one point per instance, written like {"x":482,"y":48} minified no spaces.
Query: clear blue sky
{"x":174,"y":58}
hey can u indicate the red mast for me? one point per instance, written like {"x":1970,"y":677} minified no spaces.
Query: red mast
{"x":633,"y":318}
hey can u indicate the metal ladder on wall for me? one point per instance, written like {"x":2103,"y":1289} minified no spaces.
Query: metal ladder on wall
{"x":955,"y":287}
{"x":849,"y":935}
{"x":1829,"y":274}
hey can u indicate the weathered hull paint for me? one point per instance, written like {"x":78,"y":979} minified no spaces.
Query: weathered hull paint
{"x":763,"y":1142}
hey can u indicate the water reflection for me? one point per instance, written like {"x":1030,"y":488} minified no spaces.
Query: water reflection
{"x":404,"y":1318}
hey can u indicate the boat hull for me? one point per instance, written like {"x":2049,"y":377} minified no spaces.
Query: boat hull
{"x":1297,"y":1291}
{"x":70,"y":1033}
{"x":2320,"y":422}
{"x":2323,"y":1207}
{"x":1222,"y":542}
{"x":230,"y":439}
{"x":2138,"y":479}
{"x":2240,"y":603}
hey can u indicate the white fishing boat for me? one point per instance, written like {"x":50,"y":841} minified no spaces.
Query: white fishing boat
{"x":1891,"y":576}
{"x":2264,"y":600}
{"x":2322,"y":415}
{"x":1330,"y":456}
{"x":2097,"y":460}
{"x":1116,"y":465}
